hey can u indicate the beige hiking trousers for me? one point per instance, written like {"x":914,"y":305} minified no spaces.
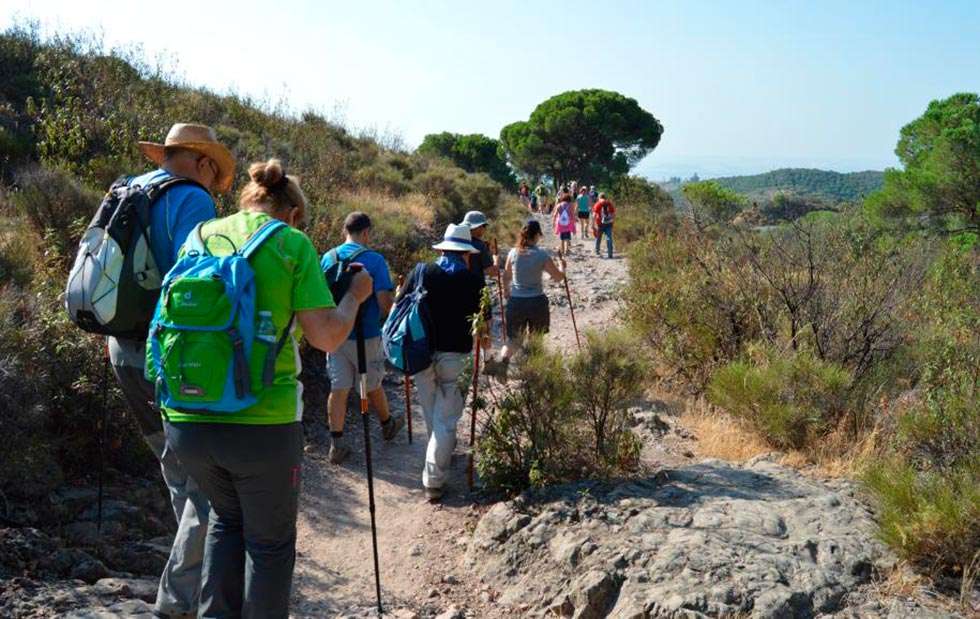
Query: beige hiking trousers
{"x":442,"y":405}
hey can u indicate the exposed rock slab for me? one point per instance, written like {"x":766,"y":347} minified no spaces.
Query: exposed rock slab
{"x":706,"y":540}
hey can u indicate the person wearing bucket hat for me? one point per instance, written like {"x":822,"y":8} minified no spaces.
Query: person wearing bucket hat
{"x":484,"y":264}
{"x":192,"y":152}
{"x":452,"y":297}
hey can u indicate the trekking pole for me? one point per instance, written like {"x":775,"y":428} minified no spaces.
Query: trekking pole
{"x":362,"y":376}
{"x":408,"y":379}
{"x":103,"y":436}
{"x":500,"y":292}
{"x":473,"y":406}
{"x":571,"y":308}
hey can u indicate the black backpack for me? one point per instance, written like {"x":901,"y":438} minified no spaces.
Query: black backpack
{"x":338,"y":272}
{"x":114,"y":284}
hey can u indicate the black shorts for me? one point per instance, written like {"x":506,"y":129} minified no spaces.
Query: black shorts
{"x":565,"y":236}
{"x":527,"y":313}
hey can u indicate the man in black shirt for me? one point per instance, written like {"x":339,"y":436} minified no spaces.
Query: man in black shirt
{"x":452,"y":298}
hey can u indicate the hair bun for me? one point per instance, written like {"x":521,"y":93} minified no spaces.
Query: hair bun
{"x":268,"y":174}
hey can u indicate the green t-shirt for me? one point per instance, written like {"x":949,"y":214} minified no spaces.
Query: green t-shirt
{"x":288,"y":279}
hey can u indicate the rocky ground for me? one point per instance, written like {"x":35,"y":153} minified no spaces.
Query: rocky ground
{"x":704,"y":540}
{"x":687,"y":538}
{"x":58,"y":563}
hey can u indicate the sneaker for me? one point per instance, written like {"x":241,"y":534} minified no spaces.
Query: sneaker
{"x":432,"y":495}
{"x":391,"y":426}
{"x":338,"y":450}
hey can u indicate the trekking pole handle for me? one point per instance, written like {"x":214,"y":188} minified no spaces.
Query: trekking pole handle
{"x":356,"y":267}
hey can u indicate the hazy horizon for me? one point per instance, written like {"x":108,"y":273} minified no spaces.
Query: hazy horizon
{"x":740,"y":88}
{"x":709,"y":166}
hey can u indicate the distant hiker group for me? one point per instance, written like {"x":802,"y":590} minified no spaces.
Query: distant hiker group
{"x":204,"y":316}
{"x":592,"y":209}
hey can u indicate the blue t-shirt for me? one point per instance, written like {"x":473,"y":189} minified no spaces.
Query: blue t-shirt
{"x":377,"y":268}
{"x":173,"y":216}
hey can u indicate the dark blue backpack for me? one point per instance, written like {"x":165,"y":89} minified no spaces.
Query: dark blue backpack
{"x":405,"y":336}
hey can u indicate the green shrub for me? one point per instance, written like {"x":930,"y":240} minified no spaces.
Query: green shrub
{"x":452,"y":192}
{"x":931,"y":519}
{"x":381,"y":176}
{"x":639,"y":206}
{"x":53,"y":380}
{"x":55,"y":203}
{"x":547,"y":429}
{"x":790,"y":398}
{"x":691,"y":299}
{"x":926,"y":481}
{"x":615,"y":376}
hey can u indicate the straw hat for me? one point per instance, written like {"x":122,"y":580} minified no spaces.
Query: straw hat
{"x":457,"y":238}
{"x":200,"y":139}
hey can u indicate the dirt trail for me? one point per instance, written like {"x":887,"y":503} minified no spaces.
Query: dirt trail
{"x":421,"y":545}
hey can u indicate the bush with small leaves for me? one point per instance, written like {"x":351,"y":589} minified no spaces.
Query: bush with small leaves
{"x":549,"y":428}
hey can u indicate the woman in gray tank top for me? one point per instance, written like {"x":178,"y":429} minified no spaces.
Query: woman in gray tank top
{"x":527,"y":304}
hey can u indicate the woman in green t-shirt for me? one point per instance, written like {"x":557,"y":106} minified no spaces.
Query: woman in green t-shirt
{"x":248,"y":463}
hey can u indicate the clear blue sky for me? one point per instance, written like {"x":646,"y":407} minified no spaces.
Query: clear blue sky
{"x":739,"y":86}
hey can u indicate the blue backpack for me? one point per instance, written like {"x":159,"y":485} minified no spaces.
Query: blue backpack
{"x":209,"y":350}
{"x":405,"y":334}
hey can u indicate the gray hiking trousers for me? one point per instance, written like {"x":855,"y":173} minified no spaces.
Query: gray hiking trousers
{"x":252,"y":476}
{"x":180,"y":583}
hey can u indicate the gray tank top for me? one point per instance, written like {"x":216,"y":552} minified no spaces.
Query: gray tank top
{"x":527,"y":268}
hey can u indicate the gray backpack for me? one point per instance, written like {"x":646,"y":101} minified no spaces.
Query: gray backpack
{"x":114,"y":284}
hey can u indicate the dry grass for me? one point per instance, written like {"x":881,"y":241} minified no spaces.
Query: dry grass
{"x":381,"y":204}
{"x":721,"y":436}
{"x":903,"y":581}
{"x":726,"y":438}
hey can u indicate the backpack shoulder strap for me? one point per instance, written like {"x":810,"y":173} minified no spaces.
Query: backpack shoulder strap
{"x":122,"y":181}
{"x":157,"y":188}
{"x":260,"y":236}
{"x":359,"y":252}
{"x":195,"y":241}
{"x":420,"y":276}
{"x":332,"y":258}
{"x":269,"y":370}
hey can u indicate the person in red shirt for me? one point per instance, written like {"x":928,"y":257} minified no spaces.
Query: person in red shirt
{"x":603,"y":214}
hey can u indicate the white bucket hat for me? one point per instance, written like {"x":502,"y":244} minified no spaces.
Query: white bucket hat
{"x":474,"y":219}
{"x":457,"y":238}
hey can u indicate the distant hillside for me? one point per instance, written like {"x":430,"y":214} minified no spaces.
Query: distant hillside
{"x":824,"y":184}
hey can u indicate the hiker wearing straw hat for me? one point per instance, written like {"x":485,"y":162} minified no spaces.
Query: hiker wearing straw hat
{"x":452,"y":297}
{"x":190,"y":152}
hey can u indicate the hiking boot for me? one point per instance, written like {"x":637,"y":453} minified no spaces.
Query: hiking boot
{"x":432,"y":495}
{"x":391,"y":426}
{"x":339,"y":450}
